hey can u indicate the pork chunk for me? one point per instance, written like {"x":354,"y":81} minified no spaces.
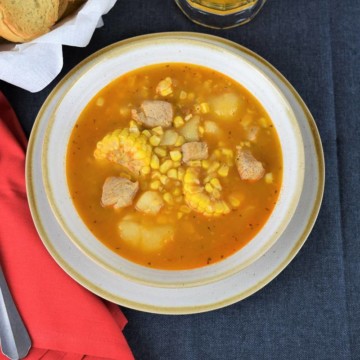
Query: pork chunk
{"x":118,"y":192}
{"x":248,"y":167}
{"x":154,"y":113}
{"x":194,"y":151}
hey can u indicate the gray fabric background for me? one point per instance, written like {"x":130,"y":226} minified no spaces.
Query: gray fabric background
{"x":311,"y":310}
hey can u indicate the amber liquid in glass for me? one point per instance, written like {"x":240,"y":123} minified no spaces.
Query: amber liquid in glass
{"x":220,"y":14}
{"x":224,"y":5}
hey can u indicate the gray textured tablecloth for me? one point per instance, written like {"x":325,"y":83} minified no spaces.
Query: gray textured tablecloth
{"x":312,"y":309}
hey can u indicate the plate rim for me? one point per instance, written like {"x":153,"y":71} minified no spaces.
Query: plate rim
{"x":192,"y":309}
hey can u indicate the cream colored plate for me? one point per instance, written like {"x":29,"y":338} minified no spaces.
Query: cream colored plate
{"x":206,"y":297}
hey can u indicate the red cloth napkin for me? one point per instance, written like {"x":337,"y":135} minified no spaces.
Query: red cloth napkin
{"x":65,"y":321}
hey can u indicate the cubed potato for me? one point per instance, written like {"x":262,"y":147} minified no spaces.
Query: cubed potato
{"x":155,"y":238}
{"x":169,"y":138}
{"x":226,"y":106}
{"x":190,"y":131}
{"x":150,"y":202}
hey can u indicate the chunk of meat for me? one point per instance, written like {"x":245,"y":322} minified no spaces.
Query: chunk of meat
{"x":118,"y":192}
{"x":248,"y":167}
{"x":194,"y":151}
{"x":154,"y":113}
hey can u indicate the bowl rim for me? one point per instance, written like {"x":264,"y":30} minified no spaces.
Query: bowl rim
{"x":125,"y":46}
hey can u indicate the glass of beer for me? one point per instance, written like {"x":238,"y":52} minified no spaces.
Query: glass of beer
{"x":220,"y":14}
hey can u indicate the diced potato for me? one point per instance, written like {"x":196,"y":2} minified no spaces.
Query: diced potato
{"x":143,"y":234}
{"x":212,"y":128}
{"x":190,"y":131}
{"x":226,"y":105}
{"x":130,"y":231}
{"x":169,"y":138}
{"x":150,"y":202}
{"x":155,"y":238}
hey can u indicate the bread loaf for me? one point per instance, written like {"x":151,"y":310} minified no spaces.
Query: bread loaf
{"x":24,"y":20}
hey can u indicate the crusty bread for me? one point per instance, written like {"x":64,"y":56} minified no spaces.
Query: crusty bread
{"x":24,"y":20}
{"x":63,"y":4}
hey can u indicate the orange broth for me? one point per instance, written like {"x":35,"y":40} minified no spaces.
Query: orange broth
{"x":198,"y":240}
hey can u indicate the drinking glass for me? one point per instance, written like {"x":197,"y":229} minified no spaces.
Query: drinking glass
{"x":220,"y":14}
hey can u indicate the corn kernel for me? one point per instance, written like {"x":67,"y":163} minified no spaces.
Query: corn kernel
{"x":164,"y":179}
{"x":183,"y":95}
{"x":216,"y":194}
{"x":179,"y":199}
{"x":205,"y":164}
{"x":147,"y":133}
{"x":209,"y":188}
{"x":155,"y":140}
{"x":155,"y":185}
{"x":188,"y":117}
{"x":223,"y":170}
{"x":185,"y":209}
{"x":176,"y":191}
{"x":213,"y":167}
{"x":234,"y":201}
{"x":124,"y":111}
{"x":227,"y":152}
{"x":172,"y":174}
{"x":160,"y":151}
{"x":269,"y":178}
{"x":263,"y":122}
{"x":191,"y":96}
{"x":145,"y":170}
{"x":217,"y":153}
{"x":246,"y":120}
{"x":197,"y":108}
{"x":125,"y":175}
{"x":166,"y":166}
{"x":201,"y":130}
{"x":180,"y":141}
{"x":175,"y":155}
{"x":155,"y":174}
{"x":168,"y":198}
{"x":133,"y":124}
{"x":195,"y":163}
{"x":204,"y":108}
{"x":178,"y":121}
{"x":216,"y":183}
{"x":164,"y":87}
{"x":154,"y":162}
{"x":181,"y":173}
{"x":100,"y":101}
{"x":158,"y":130}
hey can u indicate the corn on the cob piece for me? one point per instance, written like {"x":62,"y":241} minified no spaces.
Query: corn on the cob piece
{"x":198,"y":198}
{"x":125,"y":148}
